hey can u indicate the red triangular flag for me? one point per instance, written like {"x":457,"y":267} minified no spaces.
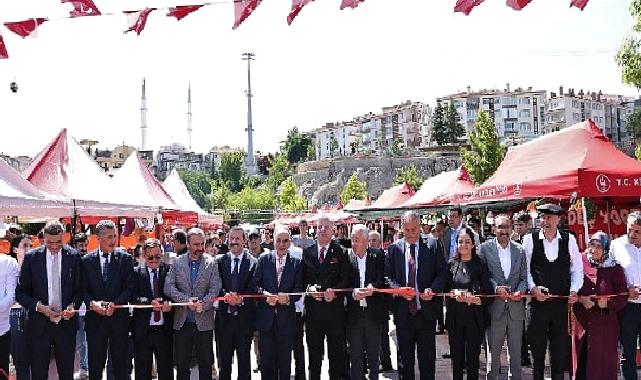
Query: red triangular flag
{"x":517,"y":5}
{"x":466,"y":6}
{"x":83,"y":8}
{"x":350,"y":3}
{"x":297,"y":5}
{"x":26,"y":27}
{"x":242,"y":10}
{"x":579,"y":3}
{"x":3,"y":49}
{"x":181,"y":11}
{"x":138,"y":20}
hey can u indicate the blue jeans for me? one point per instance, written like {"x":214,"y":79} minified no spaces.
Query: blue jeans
{"x":81,"y":344}
{"x":19,"y":345}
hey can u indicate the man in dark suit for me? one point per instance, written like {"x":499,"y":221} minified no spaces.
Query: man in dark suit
{"x":235,"y":316}
{"x":277,"y":272}
{"x":419,"y":267}
{"x":325,"y":267}
{"x":505,"y":262}
{"x":108,"y":281}
{"x":153,"y":328}
{"x":50,"y":287}
{"x":366,"y":311}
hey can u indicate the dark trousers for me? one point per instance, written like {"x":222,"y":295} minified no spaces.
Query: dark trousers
{"x":364,"y":337}
{"x":417,"y":333}
{"x":276,"y":352}
{"x":465,"y":348}
{"x":525,"y":347}
{"x":232,"y":337}
{"x":19,"y":343}
{"x":316,"y":331}
{"x":98,"y":341}
{"x":630,"y":321}
{"x":63,"y":341}
{"x":299,"y":348}
{"x":440,"y":314}
{"x":185,"y":340}
{"x":385,"y":356}
{"x":158,"y":343}
{"x":5,"y":347}
{"x":549,"y":322}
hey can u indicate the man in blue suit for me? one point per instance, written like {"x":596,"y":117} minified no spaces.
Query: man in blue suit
{"x":50,"y":287}
{"x":419,"y":266}
{"x":277,"y":272}
{"x":108,"y":281}
{"x":235,"y":317}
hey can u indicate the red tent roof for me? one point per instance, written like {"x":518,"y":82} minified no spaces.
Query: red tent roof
{"x":576,"y":159}
{"x":442,"y":189}
{"x":393,"y":197}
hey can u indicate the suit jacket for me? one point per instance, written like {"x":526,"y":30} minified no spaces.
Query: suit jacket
{"x":206,"y":287}
{"x":118,"y":289}
{"x":247,"y":310}
{"x":33,"y":287}
{"x":431,"y":273}
{"x":266,"y":279}
{"x":516,"y":280}
{"x":333,"y":273}
{"x":143,"y":295}
{"x":375,"y":275}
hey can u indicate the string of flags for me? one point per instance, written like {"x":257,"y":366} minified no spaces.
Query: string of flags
{"x":137,"y":19}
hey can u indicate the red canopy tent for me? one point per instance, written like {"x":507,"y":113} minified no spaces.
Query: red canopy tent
{"x":441,"y":189}
{"x":392,"y":198}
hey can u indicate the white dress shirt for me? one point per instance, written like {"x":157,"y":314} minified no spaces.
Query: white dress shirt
{"x":406,"y":249}
{"x":50,"y":259}
{"x":629,"y":257}
{"x":8,"y":282}
{"x":232,"y":264}
{"x":151,"y":282}
{"x":361,"y":274}
{"x":326,"y":246}
{"x":297,"y":253}
{"x":505,"y":256}
{"x":552,"y":253}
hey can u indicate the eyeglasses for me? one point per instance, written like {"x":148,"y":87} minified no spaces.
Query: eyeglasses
{"x":284,"y":241}
{"x":153,"y":258}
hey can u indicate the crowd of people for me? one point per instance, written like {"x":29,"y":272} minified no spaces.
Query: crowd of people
{"x":186,"y":307}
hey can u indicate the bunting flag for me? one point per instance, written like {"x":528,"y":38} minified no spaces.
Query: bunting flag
{"x":83,"y":8}
{"x":242,"y":10}
{"x":517,"y":5}
{"x":182,"y":11}
{"x":25,"y":28}
{"x":297,"y":6}
{"x":138,"y":20}
{"x":3,"y":49}
{"x":466,"y":6}
{"x":350,"y":3}
{"x":579,"y":4}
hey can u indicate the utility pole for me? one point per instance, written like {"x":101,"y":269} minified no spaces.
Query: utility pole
{"x":143,"y":117}
{"x":250,"y":164}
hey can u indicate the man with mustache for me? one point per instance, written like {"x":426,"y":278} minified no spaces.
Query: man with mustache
{"x":505,"y":262}
{"x":194,"y":278}
{"x":235,"y":317}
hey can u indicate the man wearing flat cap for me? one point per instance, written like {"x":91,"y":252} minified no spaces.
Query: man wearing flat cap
{"x":554,"y":267}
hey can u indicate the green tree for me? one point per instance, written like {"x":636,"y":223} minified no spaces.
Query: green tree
{"x":439,"y":130}
{"x":199,"y":186}
{"x":251,"y":199}
{"x":278,"y":172}
{"x":396,"y":148}
{"x":485,"y":153}
{"x":410,"y":175}
{"x":453,"y":129}
{"x":231,"y":170}
{"x":219,"y":196}
{"x":637,"y":152}
{"x":290,"y":200}
{"x":634,"y":124}
{"x":297,"y":145}
{"x":311,"y":153}
{"x":333,"y":146}
{"x":629,"y":55}
{"x":355,"y":145}
{"x":354,"y":189}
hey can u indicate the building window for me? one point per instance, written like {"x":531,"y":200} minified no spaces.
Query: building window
{"x":525,"y":113}
{"x":576,"y":116}
{"x":524,"y":100}
{"x":525,"y":127}
{"x":509,"y":100}
{"x":575,"y":103}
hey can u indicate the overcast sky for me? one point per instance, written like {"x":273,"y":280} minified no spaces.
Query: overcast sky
{"x":330,"y":65}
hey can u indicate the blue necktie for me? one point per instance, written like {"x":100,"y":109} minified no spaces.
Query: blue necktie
{"x":105,"y":267}
{"x":235,"y":279}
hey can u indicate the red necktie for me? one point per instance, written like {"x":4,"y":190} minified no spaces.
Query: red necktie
{"x":411,"y":278}
{"x":156,"y":294}
{"x":321,"y":259}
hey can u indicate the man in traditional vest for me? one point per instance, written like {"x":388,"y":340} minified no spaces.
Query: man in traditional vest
{"x":554,"y":268}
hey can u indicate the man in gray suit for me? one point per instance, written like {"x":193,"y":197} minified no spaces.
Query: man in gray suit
{"x":194,"y":278}
{"x":506,"y":264}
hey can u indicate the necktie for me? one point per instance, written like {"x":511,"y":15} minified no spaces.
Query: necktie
{"x":56,"y":303}
{"x":322,"y":255}
{"x":156,"y":294}
{"x":105,"y":267}
{"x":235,"y":279}
{"x":281,"y":266}
{"x":411,"y":278}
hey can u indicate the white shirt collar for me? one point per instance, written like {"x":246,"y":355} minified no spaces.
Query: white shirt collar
{"x":542,"y":235}
{"x":499,"y":246}
{"x":151,"y":271}
{"x":49,"y":254}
